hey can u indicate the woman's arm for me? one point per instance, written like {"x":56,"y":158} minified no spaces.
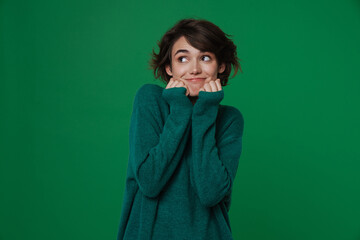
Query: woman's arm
{"x":156,"y":148}
{"x":214,"y":163}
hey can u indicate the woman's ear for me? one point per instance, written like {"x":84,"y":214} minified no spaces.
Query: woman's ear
{"x":168,"y":70}
{"x":222,"y":68}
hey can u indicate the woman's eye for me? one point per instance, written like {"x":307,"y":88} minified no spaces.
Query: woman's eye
{"x":206,"y":58}
{"x":182,"y":59}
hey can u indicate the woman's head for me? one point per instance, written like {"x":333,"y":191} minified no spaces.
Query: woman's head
{"x":195,"y":49}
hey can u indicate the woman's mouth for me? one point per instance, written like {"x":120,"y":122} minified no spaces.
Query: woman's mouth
{"x":195,"y":79}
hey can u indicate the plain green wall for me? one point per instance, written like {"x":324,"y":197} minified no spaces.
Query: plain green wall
{"x":69,"y":71}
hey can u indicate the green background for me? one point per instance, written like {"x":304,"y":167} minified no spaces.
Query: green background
{"x":69,"y":70}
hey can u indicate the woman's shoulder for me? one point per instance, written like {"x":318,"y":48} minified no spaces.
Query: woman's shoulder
{"x":149,"y":89}
{"x":148,"y":93}
{"x":230,"y":113}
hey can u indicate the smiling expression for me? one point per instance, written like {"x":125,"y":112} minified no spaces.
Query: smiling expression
{"x":192,"y":66}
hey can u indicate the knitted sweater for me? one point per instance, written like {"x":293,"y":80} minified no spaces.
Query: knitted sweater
{"x":182,"y":164}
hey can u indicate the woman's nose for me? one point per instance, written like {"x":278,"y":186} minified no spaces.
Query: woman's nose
{"x":195,"y":67}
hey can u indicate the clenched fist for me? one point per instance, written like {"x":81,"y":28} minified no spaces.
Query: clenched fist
{"x":177,"y":83}
{"x":212,"y":86}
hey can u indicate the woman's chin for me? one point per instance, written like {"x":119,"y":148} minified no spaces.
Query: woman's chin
{"x":194,"y":91}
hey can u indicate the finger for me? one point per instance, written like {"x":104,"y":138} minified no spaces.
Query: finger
{"x":183,"y":81}
{"x":187,"y":91}
{"x":218,"y":84}
{"x":174,"y":83}
{"x":182,"y":84}
{"x":171,"y":83}
{"x":168,"y":84}
{"x":213,"y":86}
{"x":207,"y":87}
{"x":178,"y":83}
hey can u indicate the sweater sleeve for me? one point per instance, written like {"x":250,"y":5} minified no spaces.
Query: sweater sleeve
{"x":156,"y":148}
{"x":215,"y":162}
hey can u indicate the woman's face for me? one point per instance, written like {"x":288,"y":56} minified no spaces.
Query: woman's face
{"x":192,"y":66}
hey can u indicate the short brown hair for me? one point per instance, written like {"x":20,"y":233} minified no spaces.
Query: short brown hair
{"x":203,"y":35}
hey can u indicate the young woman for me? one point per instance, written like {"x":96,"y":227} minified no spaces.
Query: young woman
{"x":184,"y":145}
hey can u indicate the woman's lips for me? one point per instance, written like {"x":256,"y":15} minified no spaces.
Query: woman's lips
{"x":195,"y":79}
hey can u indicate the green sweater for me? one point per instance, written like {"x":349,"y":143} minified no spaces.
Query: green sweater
{"x":182,"y":164}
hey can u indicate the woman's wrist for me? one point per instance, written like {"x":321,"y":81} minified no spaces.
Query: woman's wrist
{"x":176,"y":97}
{"x":212,"y":98}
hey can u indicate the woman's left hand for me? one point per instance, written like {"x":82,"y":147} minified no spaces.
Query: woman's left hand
{"x":212,"y":86}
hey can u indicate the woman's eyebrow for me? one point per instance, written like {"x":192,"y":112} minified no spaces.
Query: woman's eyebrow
{"x":181,"y":50}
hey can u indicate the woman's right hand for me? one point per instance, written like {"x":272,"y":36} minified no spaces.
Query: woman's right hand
{"x":177,"y":83}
